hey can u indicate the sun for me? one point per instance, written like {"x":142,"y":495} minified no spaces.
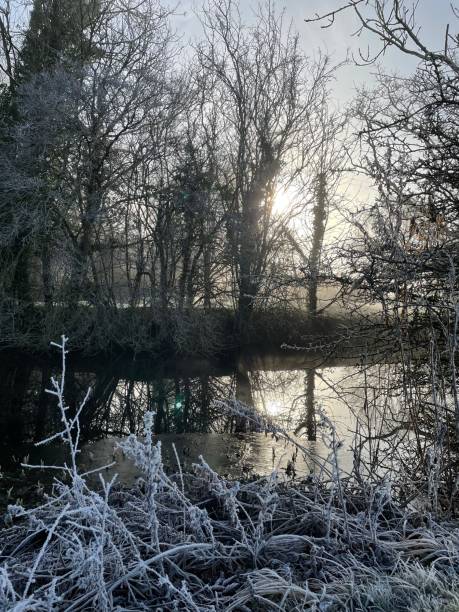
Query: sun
{"x":273,"y":407}
{"x":283,"y":200}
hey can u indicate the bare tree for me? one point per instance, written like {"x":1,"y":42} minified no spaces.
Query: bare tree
{"x":407,"y":258}
{"x":266,"y":93}
{"x":88,"y":123}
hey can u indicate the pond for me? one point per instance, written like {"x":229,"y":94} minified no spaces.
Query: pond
{"x":292,"y":388}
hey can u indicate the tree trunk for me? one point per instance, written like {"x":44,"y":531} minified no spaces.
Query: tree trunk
{"x":318,"y":232}
{"x":310,"y":381}
{"x":46,"y":276}
{"x":185,"y":274}
{"x":21,"y":279}
{"x":248,"y":283}
{"x":163,"y":291}
{"x":244,"y":395}
{"x":206,"y":277}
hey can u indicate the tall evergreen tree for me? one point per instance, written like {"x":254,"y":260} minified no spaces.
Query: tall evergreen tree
{"x":59,"y":37}
{"x":59,"y":33}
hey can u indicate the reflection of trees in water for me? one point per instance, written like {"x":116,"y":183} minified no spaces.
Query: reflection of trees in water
{"x":275,"y":393}
{"x":16,"y":422}
{"x":307,"y":421}
{"x":289,"y":397}
{"x":43,"y":411}
{"x":27,"y":412}
{"x":388,"y":431}
{"x":310,"y":380}
{"x":115,"y":407}
{"x":245,"y":395}
{"x":180,"y":404}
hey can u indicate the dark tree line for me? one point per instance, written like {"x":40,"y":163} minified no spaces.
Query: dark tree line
{"x":139,"y":174}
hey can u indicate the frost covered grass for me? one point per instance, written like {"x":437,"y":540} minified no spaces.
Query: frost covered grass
{"x":198,"y":542}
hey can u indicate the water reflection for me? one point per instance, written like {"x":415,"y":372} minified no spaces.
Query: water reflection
{"x":309,"y":423}
{"x":289,"y":389}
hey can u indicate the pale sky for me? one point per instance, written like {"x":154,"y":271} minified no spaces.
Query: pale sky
{"x":433,"y":15}
{"x":338,"y":42}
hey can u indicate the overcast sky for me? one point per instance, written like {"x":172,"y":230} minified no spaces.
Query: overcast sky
{"x":433,"y":15}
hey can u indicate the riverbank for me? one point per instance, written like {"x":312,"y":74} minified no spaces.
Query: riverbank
{"x":103,"y":331}
{"x":194,"y":540}
{"x":199,"y":542}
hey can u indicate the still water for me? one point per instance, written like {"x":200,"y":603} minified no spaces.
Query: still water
{"x":290,"y":388}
